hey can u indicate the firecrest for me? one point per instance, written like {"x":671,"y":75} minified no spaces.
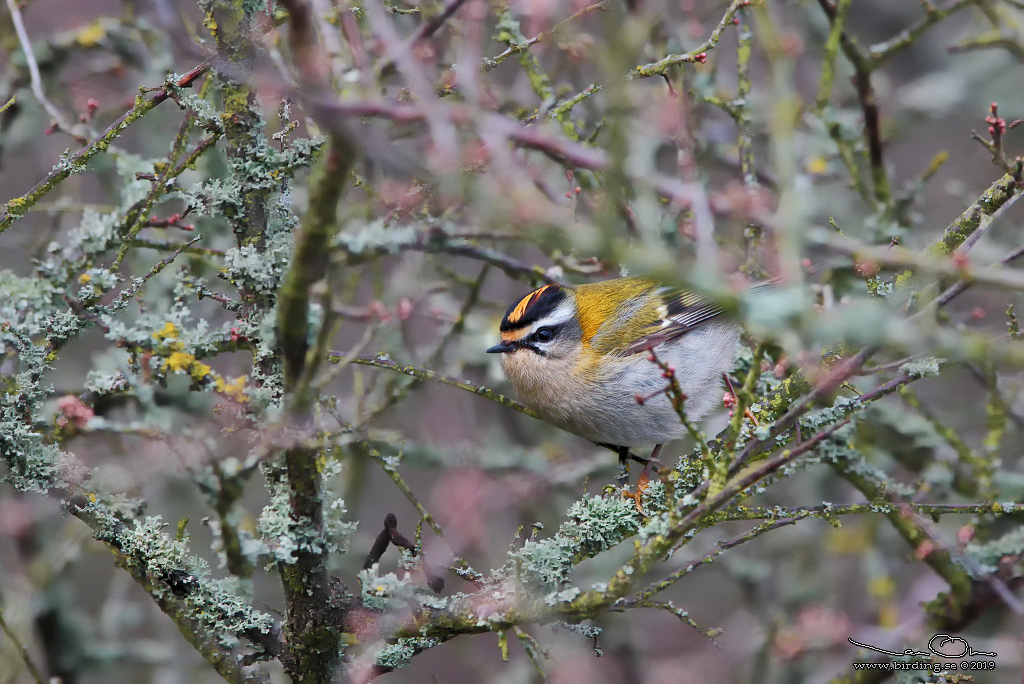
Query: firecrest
{"x":579,"y":356}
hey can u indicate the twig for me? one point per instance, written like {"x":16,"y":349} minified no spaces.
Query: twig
{"x":436,"y":242}
{"x":954,"y":290}
{"x":880,"y":53}
{"x":429,"y":28}
{"x":488,"y":63}
{"x":720,"y":548}
{"x":863,"y":68}
{"x":828,"y":66}
{"x":388,"y":535}
{"x":695,"y":55}
{"x":158,"y":245}
{"x":681,"y":614}
{"x":36,"y":79}
{"x":461,"y":567}
{"x":22,"y":651}
{"x":17,"y":207}
{"x":472,"y":299}
{"x":827,"y":511}
{"x":139,"y":222}
{"x":425,"y":374}
{"x":161,"y":265}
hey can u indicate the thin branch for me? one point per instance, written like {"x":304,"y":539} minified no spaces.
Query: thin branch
{"x":868,"y":102}
{"x":17,"y":207}
{"x":22,"y":651}
{"x":429,"y":28}
{"x":698,"y":54}
{"x":137,"y":220}
{"x":488,"y":63}
{"x":828,"y":511}
{"x":880,"y":53}
{"x":461,"y":566}
{"x":36,"y":79}
{"x":425,"y":374}
{"x":720,"y":548}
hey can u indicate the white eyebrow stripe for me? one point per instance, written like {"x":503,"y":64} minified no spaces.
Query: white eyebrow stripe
{"x":563,"y":314}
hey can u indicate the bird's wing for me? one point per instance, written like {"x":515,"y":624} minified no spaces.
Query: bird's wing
{"x":682,"y":312}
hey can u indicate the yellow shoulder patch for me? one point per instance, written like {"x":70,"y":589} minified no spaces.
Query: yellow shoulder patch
{"x":599,"y":302}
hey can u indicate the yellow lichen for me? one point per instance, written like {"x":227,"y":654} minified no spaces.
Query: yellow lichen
{"x":234,"y":389}
{"x":84,"y":278}
{"x":818,"y":165}
{"x":179,"y":361}
{"x":169,"y":331}
{"x":91,"y":35}
{"x":199,"y":370}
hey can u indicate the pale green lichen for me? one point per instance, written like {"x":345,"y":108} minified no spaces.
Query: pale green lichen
{"x":191,"y":334}
{"x":105,"y":382}
{"x":27,"y":302}
{"x":563,"y":596}
{"x":215,"y":603}
{"x":259,"y":267}
{"x":375,"y":236}
{"x":33,"y":464}
{"x":277,"y":529}
{"x":593,"y":525}
{"x":990,"y":554}
{"x":387,"y":592}
{"x":924,"y":367}
{"x":397,"y":655}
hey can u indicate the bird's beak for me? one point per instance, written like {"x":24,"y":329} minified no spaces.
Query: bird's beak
{"x":502,"y":348}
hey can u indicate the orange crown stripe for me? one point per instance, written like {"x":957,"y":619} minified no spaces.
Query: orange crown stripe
{"x":524,"y":304}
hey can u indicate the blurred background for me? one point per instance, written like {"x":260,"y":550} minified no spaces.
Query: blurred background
{"x":507,"y":216}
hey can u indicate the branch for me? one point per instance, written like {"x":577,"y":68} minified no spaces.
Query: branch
{"x":880,"y":53}
{"x":36,"y":80}
{"x":978,"y":217}
{"x":359,"y":246}
{"x":22,"y":651}
{"x":332,"y":113}
{"x":314,"y":645}
{"x":698,"y":54}
{"x":425,"y":374}
{"x":17,"y":207}
{"x":863,"y":68}
{"x":153,"y":562}
{"x":309,"y":263}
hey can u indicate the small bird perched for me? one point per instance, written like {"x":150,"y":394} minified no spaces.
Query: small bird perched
{"x":579,"y":356}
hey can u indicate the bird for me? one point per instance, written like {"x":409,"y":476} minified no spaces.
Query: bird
{"x":595,"y":359}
